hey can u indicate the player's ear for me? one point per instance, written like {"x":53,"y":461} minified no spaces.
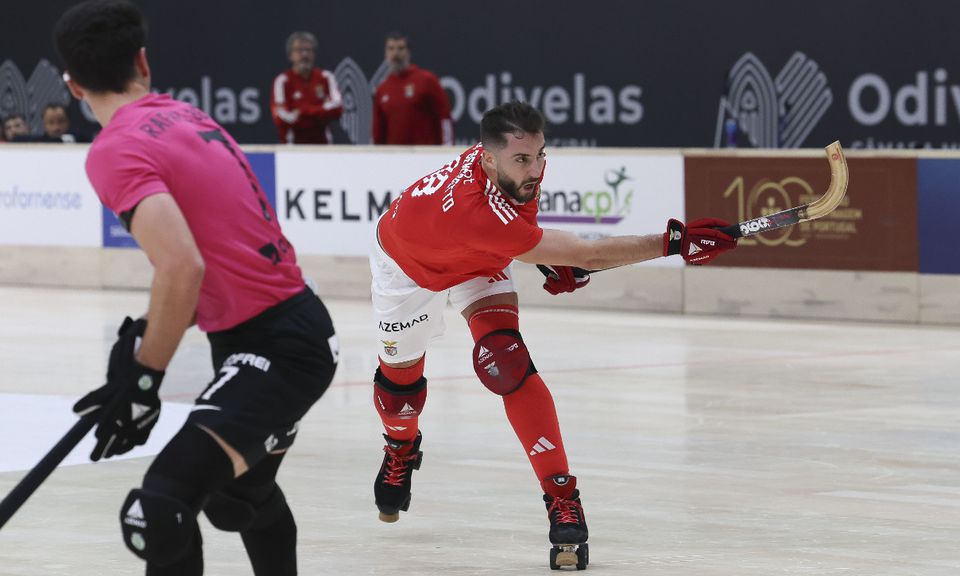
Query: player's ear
{"x":143,"y":67}
{"x":488,"y":158}
{"x":73,"y":87}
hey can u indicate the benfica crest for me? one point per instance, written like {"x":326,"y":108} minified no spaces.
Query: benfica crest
{"x":390,"y":347}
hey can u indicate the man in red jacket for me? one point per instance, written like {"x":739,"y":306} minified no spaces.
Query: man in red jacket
{"x":305,"y":99}
{"x":409,"y":107}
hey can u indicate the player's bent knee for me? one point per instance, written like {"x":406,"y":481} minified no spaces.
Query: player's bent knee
{"x":398,"y":401}
{"x":243,"y":509}
{"x":502,"y":361}
{"x":229,"y":513}
{"x":156,"y":527}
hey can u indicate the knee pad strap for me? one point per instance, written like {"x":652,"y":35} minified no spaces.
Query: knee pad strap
{"x":502,"y":361}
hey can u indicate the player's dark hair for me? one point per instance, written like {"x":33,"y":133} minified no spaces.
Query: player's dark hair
{"x":53,"y":106}
{"x":515,"y":118}
{"x":98,"y":42}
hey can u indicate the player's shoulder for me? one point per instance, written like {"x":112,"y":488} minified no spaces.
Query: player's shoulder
{"x":283,"y":78}
{"x":425,"y":74}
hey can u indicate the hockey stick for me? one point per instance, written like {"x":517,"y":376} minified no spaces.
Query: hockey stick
{"x":839,"y":177}
{"x":35,"y":477}
{"x":811,"y":211}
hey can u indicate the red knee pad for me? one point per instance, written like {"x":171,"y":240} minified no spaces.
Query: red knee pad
{"x":502,"y":362}
{"x":396,"y":401}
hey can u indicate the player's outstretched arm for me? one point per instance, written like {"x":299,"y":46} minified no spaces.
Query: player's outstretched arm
{"x":561,"y":248}
{"x":698,"y":242}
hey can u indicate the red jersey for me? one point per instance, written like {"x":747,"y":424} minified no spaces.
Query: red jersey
{"x":411,"y":108}
{"x":454,"y":225}
{"x":303,"y":107}
{"x":156,"y":145}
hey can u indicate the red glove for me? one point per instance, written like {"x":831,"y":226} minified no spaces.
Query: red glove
{"x":699,"y":241}
{"x":563,"y":278}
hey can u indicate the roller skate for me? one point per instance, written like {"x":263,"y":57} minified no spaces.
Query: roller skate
{"x":392,"y":487}
{"x":568,"y":527}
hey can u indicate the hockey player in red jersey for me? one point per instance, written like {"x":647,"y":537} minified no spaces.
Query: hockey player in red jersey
{"x":304,"y":99}
{"x":484,"y":207}
{"x":409,"y":106}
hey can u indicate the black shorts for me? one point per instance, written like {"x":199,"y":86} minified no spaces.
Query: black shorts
{"x":270,"y":371}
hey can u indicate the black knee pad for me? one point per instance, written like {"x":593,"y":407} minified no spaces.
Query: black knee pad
{"x":252,"y":500}
{"x":502,"y":361}
{"x":156,"y":527}
{"x":238,"y":510}
{"x":158,"y":521}
{"x":229,"y":513}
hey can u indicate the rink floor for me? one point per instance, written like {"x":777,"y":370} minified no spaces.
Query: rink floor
{"x":703,"y":446}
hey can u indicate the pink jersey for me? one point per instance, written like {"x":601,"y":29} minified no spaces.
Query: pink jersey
{"x":157,"y":145}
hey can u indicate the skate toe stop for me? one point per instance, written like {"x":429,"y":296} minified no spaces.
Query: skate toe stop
{"x":389,"y":518}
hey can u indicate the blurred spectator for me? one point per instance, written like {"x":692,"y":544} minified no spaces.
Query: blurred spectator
{"x":305,"y":99}
{"x":14,"y":125}
{"x":409,"y":107}
{"x":56,"y":124}
{"x":56,"y":127}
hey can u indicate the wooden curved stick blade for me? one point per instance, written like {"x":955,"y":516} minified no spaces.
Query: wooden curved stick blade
{"x":839,"y":176}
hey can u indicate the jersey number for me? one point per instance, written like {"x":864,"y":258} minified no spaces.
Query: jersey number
{"x":272,"y":251}
{"x":227,"y":372}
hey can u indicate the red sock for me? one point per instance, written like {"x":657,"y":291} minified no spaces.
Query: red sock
{"x":530,"y":409}
{"x":403,"y":429}
{"x":534,"y":418}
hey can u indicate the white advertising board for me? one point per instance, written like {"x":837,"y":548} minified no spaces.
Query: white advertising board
{"x":328,"y":202}
{"x":46,"y":199}
{"x":596,"y":194}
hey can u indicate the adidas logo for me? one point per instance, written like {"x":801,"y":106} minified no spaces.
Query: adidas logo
{"x":542,"y":445}
{"x":138,"y":410}
{"x":694,"y":249}
{"x":134,"y":516}
{"x":407,"y":410}
{"x":136,"y":510}
{"x":483,"y":352}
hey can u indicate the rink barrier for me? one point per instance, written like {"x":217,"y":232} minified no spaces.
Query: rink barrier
{"x":884,"y":256}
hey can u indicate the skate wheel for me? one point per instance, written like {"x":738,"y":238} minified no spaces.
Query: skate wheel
{"x":563,"y":555}
{"x":553,"y":559}
{"x":583,"y":556}
{"x":389,"y":518}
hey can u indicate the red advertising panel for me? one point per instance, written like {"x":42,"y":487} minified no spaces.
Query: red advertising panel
{"x":874,"y":228}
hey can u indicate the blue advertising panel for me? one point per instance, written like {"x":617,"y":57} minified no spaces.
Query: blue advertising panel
{"x":938,"y":191}
{"x":264,"y":167}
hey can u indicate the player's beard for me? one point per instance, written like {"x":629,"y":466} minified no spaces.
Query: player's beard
{"x":398,"y":65}
{"x":516,"y":191}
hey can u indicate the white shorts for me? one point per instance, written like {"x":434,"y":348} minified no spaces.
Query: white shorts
{"x":409,"y":316}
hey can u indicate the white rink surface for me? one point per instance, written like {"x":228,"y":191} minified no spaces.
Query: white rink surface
{"x":702,"y":446}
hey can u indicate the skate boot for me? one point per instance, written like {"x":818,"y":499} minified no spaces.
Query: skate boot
{"x":568,"y":527}
{"x":392,"y":487}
